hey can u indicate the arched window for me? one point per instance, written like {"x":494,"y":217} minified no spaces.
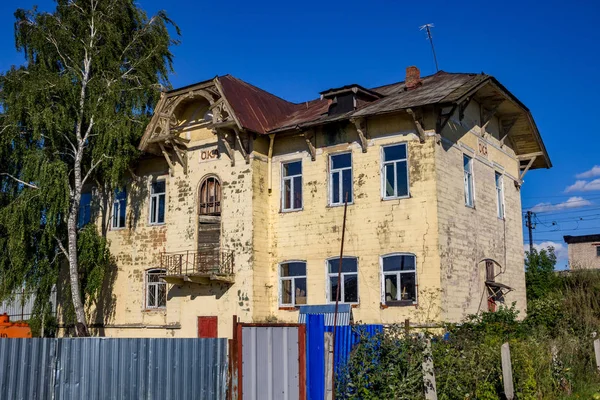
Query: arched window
{"x":210,"y":196}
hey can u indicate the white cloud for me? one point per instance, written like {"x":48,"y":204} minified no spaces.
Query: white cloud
{"x":584,"y":186}
{"x":560,"y":250}
{"x":595,"y":171}
{"x":572,"y":202}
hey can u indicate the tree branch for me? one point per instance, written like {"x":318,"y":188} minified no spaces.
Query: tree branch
{"x":94,"y":165}
{"x":62,"y":248}
{"x":20,"y":181}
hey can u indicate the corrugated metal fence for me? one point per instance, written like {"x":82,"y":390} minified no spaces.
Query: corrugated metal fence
{"x":20,"y":306}
{"x":102,"y":368}
{"x":346,"y":338}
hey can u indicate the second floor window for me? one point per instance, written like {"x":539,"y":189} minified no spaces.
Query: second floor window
{"x":500,"y":194}
{"x":157,"y":202}
{"x":291,"y":186}
{"x":395,"y":172}
{"x":156,"y":289}
{"x":597,"y":251}
{"x":340,"y":178}
{"x":85,"y":210}
{"x":468,"y":177}
{"x":292,"y":283}
{"x":119,"y":209}
{"x":399,"y":283}
{"x":348,"y":284}
{"x":210,"y":196}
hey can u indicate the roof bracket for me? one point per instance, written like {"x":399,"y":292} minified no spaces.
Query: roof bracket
{"x":182,"y":157}
{"x":418,"y":121}
{"x":444,"y":117}
{"x":168,"y":158}
{"x":506,"y":125}
{"x":308,"y":136}
{"x":240,"y":145}
{"x":531,"y":160}
{"x":223,"y":139}
{"x":487,"y":111}
{"x":462,"y":107}
{"x":361,"y":127}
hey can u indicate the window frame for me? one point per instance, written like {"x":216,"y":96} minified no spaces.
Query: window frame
{"x":597,"y":251}
{"x":468,"y":182}
{"x":398,"y":303}
{"x":395,"y":162}
{"x":118,"y":204}
{"x":293,"y":186}
{"x":293,"y":280}
{"x":148,"y":285}
{"x":500,"y":206}
{"x":219,"y":192}
{"x":340,"y":171}
{"x":157,"y":195}
{"x":342,"y":287}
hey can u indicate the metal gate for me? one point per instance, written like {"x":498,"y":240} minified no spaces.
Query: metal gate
{"x":273,"y":361}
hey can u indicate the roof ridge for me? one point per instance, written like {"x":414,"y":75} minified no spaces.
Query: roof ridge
{"x":258,"y":88}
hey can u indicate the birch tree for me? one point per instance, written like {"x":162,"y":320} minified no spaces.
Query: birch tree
{"x":72,"y":116}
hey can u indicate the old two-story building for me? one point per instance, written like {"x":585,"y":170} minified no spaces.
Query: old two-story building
{"x":584,"y":251}
{"x":237,"y":206}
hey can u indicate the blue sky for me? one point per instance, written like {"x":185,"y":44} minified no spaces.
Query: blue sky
{"x":545,"y":53}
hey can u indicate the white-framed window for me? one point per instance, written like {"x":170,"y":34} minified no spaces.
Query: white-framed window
{"x":399,"y":279}
{"x":340,"y":178}
{"x":158,"y":190}
{"x":156,"y":289}
{"x":292,"y":283}
{"x":349,"y":280}
{"x":394,"y":172}
{"x":468,"y":178}
{"x":499,"y":194}
{"x":291,"y":186}
{"x":119,"y":211}
{"x":85,"y":210}
{"x":597,"y":251}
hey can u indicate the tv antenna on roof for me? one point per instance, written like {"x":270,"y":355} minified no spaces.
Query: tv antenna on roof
{"x":427,"y":28}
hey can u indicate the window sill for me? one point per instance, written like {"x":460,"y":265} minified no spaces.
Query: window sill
{"x":118,"y":229}
{"x":289,"y":308}
{"x":291,"y":211}
{"x":157,"y":224}
{"x":353,"y":305}
{"x":471,"y":207}
{"x":395,"y":198}
{"x":157,"y":310}
{"x":393,"y":304}
{"x":339,"y":205}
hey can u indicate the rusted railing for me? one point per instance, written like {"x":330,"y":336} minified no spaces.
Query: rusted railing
{"x":201,"y":262}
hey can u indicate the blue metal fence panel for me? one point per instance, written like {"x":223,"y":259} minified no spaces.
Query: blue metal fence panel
{"x":344,"y":315}
{"x":346,"y":337}
{"x":100,"y":368}
{"x":315,"y":357}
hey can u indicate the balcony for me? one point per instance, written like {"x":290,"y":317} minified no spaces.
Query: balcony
{"x":202,"y":266}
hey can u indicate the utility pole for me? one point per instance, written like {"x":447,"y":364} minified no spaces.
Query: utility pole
{"x":529,"y":226}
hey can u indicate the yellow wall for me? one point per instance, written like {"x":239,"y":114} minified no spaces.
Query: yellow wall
{"x":447,"y":238}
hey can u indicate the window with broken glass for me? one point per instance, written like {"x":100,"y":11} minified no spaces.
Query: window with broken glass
{"x":292,"y":283}
{"x":399,"y":283}
{"x":340,"y":178}
{"x":395,"y":172}
{"x":291,"y":186}
{"x":349,"y":280}
{"x":156,"y":289}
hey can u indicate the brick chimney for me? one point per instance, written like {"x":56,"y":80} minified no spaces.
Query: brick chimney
{"x":413,"y":78}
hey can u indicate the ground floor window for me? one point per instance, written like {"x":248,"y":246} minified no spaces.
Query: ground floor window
{"x":292,"y":283}
{"x":156,"y":289}
{"x":399,"y":279}
{"x":348,"y":285}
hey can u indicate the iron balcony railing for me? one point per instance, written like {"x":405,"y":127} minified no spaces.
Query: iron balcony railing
{"x":201,"y":262}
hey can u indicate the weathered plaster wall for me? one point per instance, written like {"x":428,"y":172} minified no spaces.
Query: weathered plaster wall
{"x":138,"y":247}
{"x":583,"y":255}
{"x":468,"y":235}
{"x":374,"y":227}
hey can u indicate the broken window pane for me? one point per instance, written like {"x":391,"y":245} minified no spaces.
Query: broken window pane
{"x":350,"y":288}
{"x":400,"y":279}
{"x":391,"y":287}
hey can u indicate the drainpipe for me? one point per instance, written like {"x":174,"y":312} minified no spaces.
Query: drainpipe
{"x":270,"y":161}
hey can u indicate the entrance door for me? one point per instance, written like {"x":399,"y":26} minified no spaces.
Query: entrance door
{"x":208,"y":327}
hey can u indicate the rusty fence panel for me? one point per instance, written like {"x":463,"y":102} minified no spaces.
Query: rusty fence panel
{"x":273,"y":362}
{"x":107,"y":368}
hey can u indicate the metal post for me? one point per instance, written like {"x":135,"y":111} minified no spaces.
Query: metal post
{"x":530,"y":227}
{"x":337,"y":293}
{"x":507,"y":376}
{"x":597,"y":353}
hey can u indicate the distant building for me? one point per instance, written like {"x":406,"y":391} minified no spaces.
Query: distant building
{"x":584,"y":251}
{"x":237,"y":205}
